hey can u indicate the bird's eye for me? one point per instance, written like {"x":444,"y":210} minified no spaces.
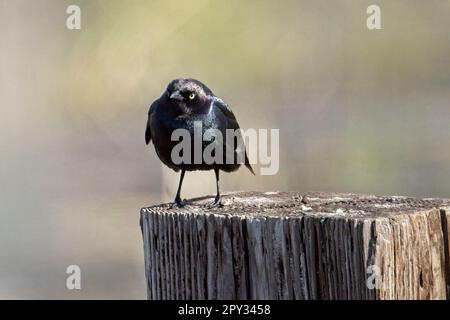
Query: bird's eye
{"x":192,"y":96}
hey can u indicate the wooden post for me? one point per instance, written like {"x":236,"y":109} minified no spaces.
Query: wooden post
{"x":291,"y":246}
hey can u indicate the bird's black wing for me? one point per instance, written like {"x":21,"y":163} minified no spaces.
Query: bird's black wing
{"x":148,"y":131}
{"x":233,"y":124}
{"x":226,"y":110}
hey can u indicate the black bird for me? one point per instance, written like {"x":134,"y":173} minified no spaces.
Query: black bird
{"x":184,"y":103}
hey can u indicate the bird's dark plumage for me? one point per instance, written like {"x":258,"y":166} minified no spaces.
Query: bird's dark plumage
{"x":185,"y":102}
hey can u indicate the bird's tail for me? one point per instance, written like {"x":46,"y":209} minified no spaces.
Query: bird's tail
{"x":248,"y":165}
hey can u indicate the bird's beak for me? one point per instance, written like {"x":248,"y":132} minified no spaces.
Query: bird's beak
{"x":176,"y":96}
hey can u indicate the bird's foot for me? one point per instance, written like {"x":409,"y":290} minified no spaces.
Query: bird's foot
{"x":216,"y":204}
{"x":178,"y":203}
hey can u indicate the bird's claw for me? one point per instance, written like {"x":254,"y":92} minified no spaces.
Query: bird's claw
{"x":216,"y":204}
{"x":178,"y":203}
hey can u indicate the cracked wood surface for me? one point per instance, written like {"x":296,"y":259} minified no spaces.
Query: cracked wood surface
{"x":285,"y":245}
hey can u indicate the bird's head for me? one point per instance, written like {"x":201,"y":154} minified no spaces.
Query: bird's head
{"x":189,"y":94}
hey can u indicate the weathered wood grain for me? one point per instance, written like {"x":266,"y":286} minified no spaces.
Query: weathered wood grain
{"x":292,"y":246}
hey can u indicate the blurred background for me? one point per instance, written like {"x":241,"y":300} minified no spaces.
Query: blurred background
{"x":358,"y":111}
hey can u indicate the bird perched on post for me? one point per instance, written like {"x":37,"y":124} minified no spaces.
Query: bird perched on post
{"x":188,"y":104}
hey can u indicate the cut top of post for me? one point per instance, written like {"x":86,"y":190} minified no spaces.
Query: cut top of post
{"x":292,"y":204}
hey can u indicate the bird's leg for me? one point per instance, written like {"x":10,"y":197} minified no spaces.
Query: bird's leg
{"x":217,"y":203}
{"x":178,"y":202}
